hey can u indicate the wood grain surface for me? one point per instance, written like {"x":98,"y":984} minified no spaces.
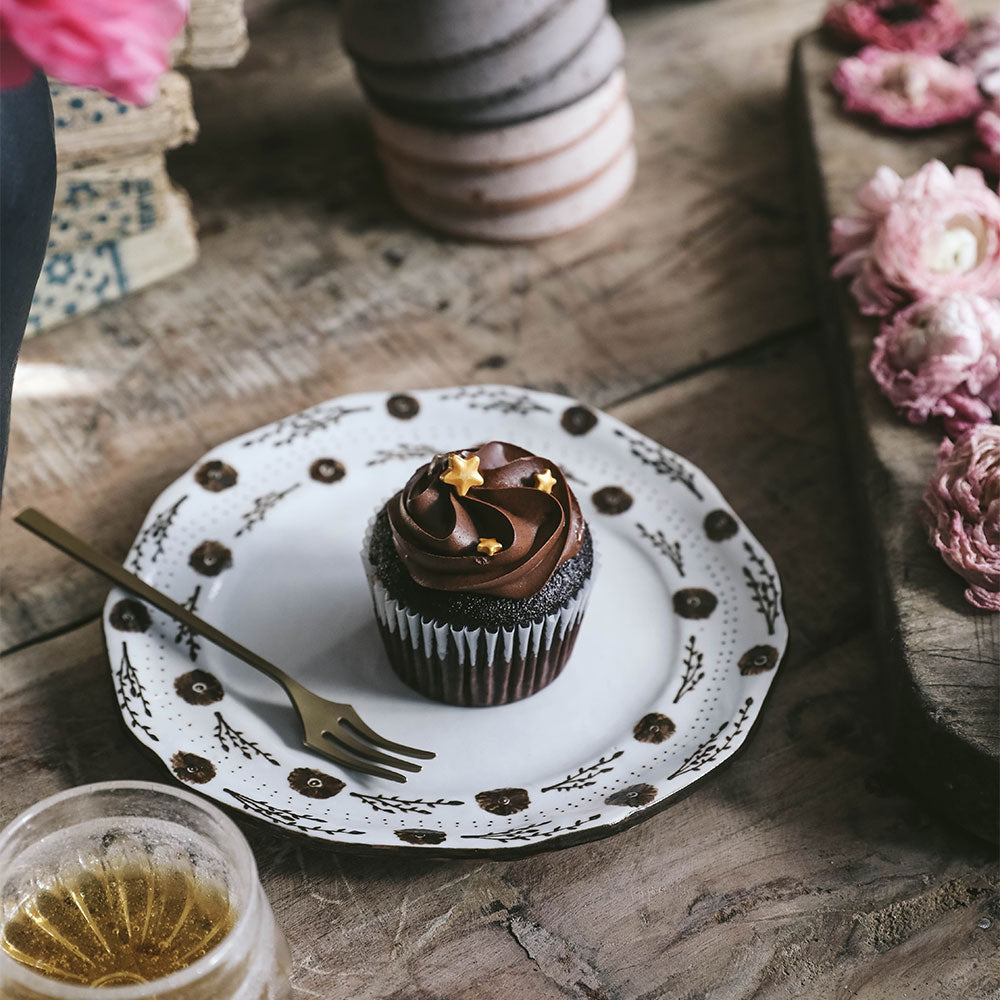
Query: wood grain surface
{"x":804,"y":869}
{"x":942,"y":656}
{"x":311,"y":283}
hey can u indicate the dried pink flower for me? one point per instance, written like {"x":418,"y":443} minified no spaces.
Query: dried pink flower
{"x":941,"y":357}
{"x":897,"y":25}
{"x":980,"y":52}
{"x":908,"y":90}
{"x":117,"y":45}
{"x":987,"y":154}
{"x":932,"y":234}
{"x":962,"y":512}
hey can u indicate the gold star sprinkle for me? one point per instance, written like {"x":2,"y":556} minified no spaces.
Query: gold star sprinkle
{"x":544,"y":481}
{"x":488,"y":546}
{"x":463,"y":473}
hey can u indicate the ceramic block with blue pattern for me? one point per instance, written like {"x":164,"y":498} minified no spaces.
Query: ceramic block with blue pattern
{"x":92,"y":127}
{"x":108,"y":202}
{"x":79,"y":281}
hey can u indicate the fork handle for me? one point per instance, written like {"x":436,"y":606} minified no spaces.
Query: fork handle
{"x":36,"y":522}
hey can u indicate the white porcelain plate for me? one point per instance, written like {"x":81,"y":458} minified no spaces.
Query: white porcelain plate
{"x":262,"y":538}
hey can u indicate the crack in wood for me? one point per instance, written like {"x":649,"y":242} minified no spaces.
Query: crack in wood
{"x":556,"y":959}
{"x":889,"y":926}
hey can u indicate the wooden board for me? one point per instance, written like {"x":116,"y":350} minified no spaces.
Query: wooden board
{"x":803,"y":869}
{"x":941,"y":656}
{"x":311,"y":283}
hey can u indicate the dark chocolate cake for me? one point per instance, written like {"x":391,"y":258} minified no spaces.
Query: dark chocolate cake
{"x":470,"y":610}
{"x":480,"y":568}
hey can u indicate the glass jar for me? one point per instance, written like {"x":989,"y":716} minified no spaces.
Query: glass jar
{"x":167,"y":839}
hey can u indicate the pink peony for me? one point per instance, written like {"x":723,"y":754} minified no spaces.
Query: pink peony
{"x":980,"y":52}
{"x":929,"y":235}
{"x":941,"y":357}
{"x":908,"y":90}
{"x":897,"y":25}
{"x":117,"y":45}
{"x":987,"y":155}
{"x":962,"y":512}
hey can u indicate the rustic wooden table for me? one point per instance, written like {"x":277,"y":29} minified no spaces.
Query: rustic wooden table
{"x":802,"y":870}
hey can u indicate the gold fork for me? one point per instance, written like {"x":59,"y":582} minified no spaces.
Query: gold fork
{"x":329,"y":727}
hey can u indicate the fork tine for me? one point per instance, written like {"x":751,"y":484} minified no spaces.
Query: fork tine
{"x":341,"y":738}
{"x":355,"y":765}
{"x":354,"y":721}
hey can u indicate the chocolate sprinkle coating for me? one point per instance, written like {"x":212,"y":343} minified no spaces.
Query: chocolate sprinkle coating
{"x":472,"y":610}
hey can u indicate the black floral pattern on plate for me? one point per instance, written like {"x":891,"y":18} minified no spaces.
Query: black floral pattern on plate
{"x":315,"y":784}
{"x":130,"y":615}
{"x":578,"y":420}
{"x":402,"y":407}
{"x":503,"y":801}
{"x":420,"y":836}
{"x":633,"y":796}
{"x":720,"y":525}
{"x":198,"y":687}
{"x":191,"y":768}
{"x":695,"y":602}
{"x":210,"y":558}
{"x":654,"y":728}
{"x":327,"y":470}
{"x":758,"y":660}
{"x":216,"y":476}
{"x":612,"y":500}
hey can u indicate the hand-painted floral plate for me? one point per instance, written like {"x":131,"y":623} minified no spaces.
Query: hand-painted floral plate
{"x":262,"y":538}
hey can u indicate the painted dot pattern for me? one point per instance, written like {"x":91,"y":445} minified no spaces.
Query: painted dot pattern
{"x":198,"y":545}
{"x":327,"y":470}
{"x":216,"y":476}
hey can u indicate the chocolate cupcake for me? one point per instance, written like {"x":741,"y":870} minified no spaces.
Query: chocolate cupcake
{"x":480,"y":569}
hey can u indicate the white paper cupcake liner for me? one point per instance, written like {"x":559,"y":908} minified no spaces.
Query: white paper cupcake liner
{"x":474,"y":666}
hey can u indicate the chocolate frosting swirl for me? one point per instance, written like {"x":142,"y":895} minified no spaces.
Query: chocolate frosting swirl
{"x":436,"y":531}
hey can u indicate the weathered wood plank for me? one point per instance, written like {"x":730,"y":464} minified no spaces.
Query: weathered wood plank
{"x":802,"y":869}
{"x":942,"y":656}
{"x":772,"y":462}
{"x":312,"y":284}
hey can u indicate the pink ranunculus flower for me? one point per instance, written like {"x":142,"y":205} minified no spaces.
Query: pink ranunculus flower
{"x":941,"y":357}
{"x":980,"y":52}
{"x":910,"y":90}
{"x":119,"y":46}
{"x":987,"y":154}
{"x":932,"y":234}
{"x":962,"y":512}
{"x":897,"y":25}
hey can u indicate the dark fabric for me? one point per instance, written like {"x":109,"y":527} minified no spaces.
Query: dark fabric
{"x":27,"y":187}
